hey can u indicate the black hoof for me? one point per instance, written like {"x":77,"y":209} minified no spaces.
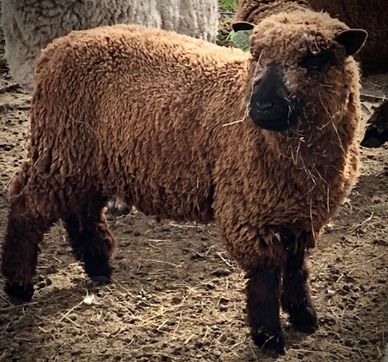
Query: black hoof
{"x":304,"y":319}
{"x":97,"y":268}
{"x":21,"y":293}
{"x":269,"y":341}
{"x":100,"y":279}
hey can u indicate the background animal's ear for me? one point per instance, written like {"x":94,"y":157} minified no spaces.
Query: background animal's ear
{"x":242,"y":25}
{"x":352,"y":40}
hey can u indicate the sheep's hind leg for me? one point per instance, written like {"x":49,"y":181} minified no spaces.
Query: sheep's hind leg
{"x":296,"y":298}
{"x":90,"y":238}
{"x":263,"y":304}
{"x":20,"y":250}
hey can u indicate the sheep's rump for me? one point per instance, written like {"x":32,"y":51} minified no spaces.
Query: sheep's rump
{"x":29,"y":25}
{"x":120,"y":109}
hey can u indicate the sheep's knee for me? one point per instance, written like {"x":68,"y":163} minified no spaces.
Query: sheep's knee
{"x":263,"y":306}
{"x":20,"y":253}
{"x":91,"y":240}
{"x":296,"y":298}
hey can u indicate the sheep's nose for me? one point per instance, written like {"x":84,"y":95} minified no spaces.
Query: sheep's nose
{"x":264,"y":106}
{"x":268,"y":106}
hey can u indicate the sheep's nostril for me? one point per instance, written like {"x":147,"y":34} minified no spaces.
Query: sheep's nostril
{"x":263,"y":107}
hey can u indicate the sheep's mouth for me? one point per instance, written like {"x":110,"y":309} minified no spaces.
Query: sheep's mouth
{"x":278,"y":120}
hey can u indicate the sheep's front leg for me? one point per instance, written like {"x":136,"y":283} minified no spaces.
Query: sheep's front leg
{"x":90,"y":238}
{"x":263,"y":304}
{"x":296,"y":298}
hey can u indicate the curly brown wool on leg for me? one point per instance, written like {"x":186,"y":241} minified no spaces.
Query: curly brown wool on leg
{"x":263,"y":306}
{"x":91,"y":239}
{"x":295,"y":297}
{"x":20,"y":251}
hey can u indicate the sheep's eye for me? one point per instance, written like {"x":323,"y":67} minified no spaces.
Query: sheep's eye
{"x":318,"y":63}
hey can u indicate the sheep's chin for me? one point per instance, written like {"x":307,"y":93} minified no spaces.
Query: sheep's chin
{"x":281,"y":124}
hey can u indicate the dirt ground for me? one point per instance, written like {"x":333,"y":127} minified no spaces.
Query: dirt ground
{"x":176,"y":296}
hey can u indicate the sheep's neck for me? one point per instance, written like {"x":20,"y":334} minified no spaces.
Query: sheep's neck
{"x":313,"y":147}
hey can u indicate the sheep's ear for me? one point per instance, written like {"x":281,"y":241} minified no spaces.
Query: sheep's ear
{"x":352,"y":40}
{"x":242,"y":25}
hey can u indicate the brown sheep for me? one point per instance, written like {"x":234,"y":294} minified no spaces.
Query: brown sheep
{"x":187,"y":130}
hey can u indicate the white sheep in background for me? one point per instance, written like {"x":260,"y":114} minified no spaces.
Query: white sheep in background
{"x":29,"y":25}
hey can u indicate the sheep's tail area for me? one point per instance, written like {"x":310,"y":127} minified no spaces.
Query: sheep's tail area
{"x":62,"y":156}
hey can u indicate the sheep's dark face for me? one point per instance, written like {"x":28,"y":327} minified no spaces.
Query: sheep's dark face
{"x":302,"y":74}
{"x":271,"y":105}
